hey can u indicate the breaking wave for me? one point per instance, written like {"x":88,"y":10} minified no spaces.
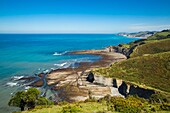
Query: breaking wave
{"x":59,"y":54}
{"x":11,"y":84}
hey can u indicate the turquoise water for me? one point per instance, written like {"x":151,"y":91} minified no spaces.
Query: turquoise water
{"x":24,"y":54}
{"x":27,"y":53}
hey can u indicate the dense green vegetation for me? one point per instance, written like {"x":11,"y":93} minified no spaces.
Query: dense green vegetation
{"x":107,"y":104}
{"x":79,"y":107}
{"x":152,"y":47}
{"x":152,"y":70}
{"x":28,"y":99}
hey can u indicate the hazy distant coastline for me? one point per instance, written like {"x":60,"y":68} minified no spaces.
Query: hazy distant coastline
{"x":141,"y":34}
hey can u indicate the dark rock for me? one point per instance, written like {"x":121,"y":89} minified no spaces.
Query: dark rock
{"x":130,"y":50}
{"x":38,"y":83}
{"x":140,"y":40}
{"x":141,"y":92}
{"x":114,"y":83}
{"x":134,"y":90}
{"x":90,"y":77}
{"x":168,"y":36}
{"x":123,"y":89}
{"x":120,"y":45}
{"x":41,"y":74}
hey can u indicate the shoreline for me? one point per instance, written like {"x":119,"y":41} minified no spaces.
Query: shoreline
{"x":55,"y":80}
{"x":107,"y":58}
{"x":57,"y":75}
{"x":73,"y":84}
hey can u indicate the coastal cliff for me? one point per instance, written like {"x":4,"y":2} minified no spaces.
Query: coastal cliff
{"x":124,"y":88}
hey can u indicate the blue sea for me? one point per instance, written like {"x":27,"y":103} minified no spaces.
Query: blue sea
{"x":26,"y":54}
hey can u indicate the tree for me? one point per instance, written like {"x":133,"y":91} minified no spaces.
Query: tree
{"x":29,"y":99}
{"x":18,"y":100}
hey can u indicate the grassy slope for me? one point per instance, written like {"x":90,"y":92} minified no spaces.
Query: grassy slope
{"x":152,"y":70}
{"x":105,"y":105}
{"x":152,"y":47}
{"x":159,"y":35}
{"x":88,"y":107}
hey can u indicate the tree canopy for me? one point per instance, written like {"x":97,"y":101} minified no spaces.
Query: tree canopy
{"x":28,"y":99}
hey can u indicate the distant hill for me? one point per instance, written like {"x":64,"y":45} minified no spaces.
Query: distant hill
{"x":142,"y":34}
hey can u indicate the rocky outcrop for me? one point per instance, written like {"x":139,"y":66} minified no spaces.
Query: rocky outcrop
{"x":123,"y":87}
{"x":141,"y":92}
{"x":111,"y":48}
{"x":90,"y":77}
{"x":128,"y":51}
{"x":131,"y":89}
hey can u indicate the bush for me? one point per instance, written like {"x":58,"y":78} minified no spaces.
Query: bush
{"x":44,"y":101}
{"x":63,"y":103}
{"x":71,"y":109}
{"x":128,"y":105}
{"x":165,"y":106}
{"x":158,"y":98}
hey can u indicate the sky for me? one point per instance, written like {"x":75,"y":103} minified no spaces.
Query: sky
{"x":83,"y":16}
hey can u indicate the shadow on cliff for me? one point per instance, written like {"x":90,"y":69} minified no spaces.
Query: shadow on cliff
{"x":134,"y":90}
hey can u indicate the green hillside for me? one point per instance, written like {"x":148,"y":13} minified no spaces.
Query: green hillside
{"x":88,"y":107}
{"x":152,"y":70}
{"x":160,"y":35}
{"x":152,"y":47}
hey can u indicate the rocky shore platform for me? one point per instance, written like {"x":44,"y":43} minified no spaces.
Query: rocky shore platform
{"x":79,"y":84}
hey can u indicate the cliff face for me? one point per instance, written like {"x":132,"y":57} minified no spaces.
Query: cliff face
{"x":123,"y":87}
{"x":127,"y":51}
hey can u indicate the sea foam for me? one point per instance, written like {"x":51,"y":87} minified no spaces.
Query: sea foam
{"x":17,"y":77}
{"x":59,"y":54}
{"x":63,"y":65}
{"x":11,"y":84}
